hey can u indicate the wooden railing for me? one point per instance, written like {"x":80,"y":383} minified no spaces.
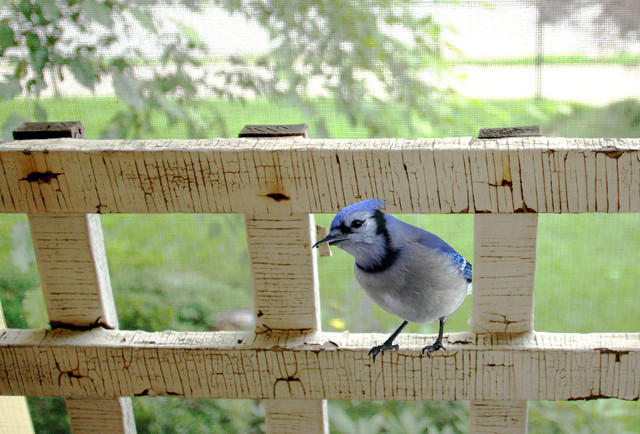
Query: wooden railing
{"x":278,"y":184}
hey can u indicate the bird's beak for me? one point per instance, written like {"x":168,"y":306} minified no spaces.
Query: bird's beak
{"x":333,"y":237}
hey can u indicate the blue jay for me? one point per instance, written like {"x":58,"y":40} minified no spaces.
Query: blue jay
{"x":409,"y":272}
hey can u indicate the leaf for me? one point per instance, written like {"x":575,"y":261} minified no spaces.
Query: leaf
{"x":129,"y":90}
{"x":83,"y":71}
{"x":37,"y":52}
{"x":144,"y":18}
{"x":50,"y":10}
{"x":97,"y":12}
{"x":6,"y":37}
{"x":10,"y":88}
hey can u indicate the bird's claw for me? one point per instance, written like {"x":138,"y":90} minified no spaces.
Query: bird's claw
{"x":382,"y":348}
{"x":437,"y":345}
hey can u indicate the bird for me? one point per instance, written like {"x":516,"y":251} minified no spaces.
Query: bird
{"x":408,"y":271}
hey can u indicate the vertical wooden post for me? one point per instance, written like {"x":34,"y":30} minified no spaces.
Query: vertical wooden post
{"x":14,"y":411}
{"x":75,"y":281}
{"x":503,"y":288}
{"x":285,"y":288}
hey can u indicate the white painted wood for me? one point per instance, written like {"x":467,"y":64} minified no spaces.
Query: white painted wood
{"x":536,"y":174}
{"x":285,"y":295}
{"x":504,"y":272}
{"x":14,"y":410}
{"x":284,"y":272}
{"x":73,"y":270}
{"x":74,"y":275}
{"x":503,"y":417}
{"x":296,"y":416}
{"x":503,"y":300}
{"x":101,"y":415}
{"x":318,"y":365}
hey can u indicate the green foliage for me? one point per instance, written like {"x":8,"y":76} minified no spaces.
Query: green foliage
{"x":176,"y":415}
{"x":364,"y":70}
{"x":183,"y":279}
{"x":356,"y":417}
{"x":345,"y":46}
{"x":586,"y":417}
{"x":88,"y":40}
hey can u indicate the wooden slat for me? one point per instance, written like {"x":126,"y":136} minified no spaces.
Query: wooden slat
{"x":499,"y":417}
{"x":504,"y":272}
{"x":285,"y":289}
{"x":73,"y":270}
{"x":72,"y":262}
{"x":69,"y":249}
{"x":287,"y":176}
{"x":14,"y":410}
{"x":100,"y":415}
{"x":296,"y":416}
{"x":112,"y":363}
{"x":503,"y":286}
{"x":284,"y":272}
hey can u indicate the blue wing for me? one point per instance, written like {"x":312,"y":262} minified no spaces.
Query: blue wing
{"x":463,"y":265}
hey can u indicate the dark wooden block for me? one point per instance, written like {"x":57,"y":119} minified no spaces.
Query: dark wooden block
{"x":49,"y":130}
{"x":301,"y":130}
{"x":500,"y":133}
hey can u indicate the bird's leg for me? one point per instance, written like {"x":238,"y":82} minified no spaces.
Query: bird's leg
{"x":437,"y":345}
{"x":388,"y":344}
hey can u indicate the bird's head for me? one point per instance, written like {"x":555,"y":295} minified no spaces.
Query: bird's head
{"x":357,"y":226}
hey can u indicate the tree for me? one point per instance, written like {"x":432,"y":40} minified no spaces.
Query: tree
{"x":368,"y":57}
{"x":618,"y":17}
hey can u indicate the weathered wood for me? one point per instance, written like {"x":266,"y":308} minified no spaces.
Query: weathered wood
{"x":285,"y":297}
{"x":49,"y":130}
{"x":296,"y":416}
{"x":112,"y":363}
{"x":503,"y":301}
{"x":301,"y":130}
{"x":501,"y":417}
{"x":284,"y":272}
{"x":72,"y":262}
{"x":73,"y":270}
{"x":500,"y":133}
{"x":285,"y":288}
{"x":286,"y":176}
{"x":101,"y":415}
{"x":14,"y":410}
{"x":504,"y":269}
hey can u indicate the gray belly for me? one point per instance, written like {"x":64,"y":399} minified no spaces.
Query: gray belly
{"x":421,"y":290}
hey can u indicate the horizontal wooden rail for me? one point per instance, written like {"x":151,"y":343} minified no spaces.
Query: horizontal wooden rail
{"x":111,"y":363}
{"x":288,"y":175}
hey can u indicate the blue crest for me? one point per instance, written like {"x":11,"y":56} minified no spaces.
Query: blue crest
{"x":363,"y":205}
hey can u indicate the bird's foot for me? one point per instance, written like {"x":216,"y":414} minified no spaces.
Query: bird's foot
{"x":437,"y":345}
{"x":382,"y":348}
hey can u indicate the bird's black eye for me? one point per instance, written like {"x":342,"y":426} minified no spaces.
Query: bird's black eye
{"x":356,"y":223}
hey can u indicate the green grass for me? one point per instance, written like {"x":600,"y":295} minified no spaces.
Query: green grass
{"x":619,"y":59}
{"x":464,"y":118}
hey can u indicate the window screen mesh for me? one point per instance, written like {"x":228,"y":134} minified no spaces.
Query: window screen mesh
{"x":350,"y":70}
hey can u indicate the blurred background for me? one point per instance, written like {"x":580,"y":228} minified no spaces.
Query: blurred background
{"x":350,"y":69}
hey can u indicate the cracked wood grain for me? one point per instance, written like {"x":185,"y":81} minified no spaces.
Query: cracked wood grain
{"x":503,"y":285}
{"x":287,"y":176}
{"x":14,"y":410}
{"x":72,"y":263}
{"x":318,"y":365}
{"x":285,"y":296}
